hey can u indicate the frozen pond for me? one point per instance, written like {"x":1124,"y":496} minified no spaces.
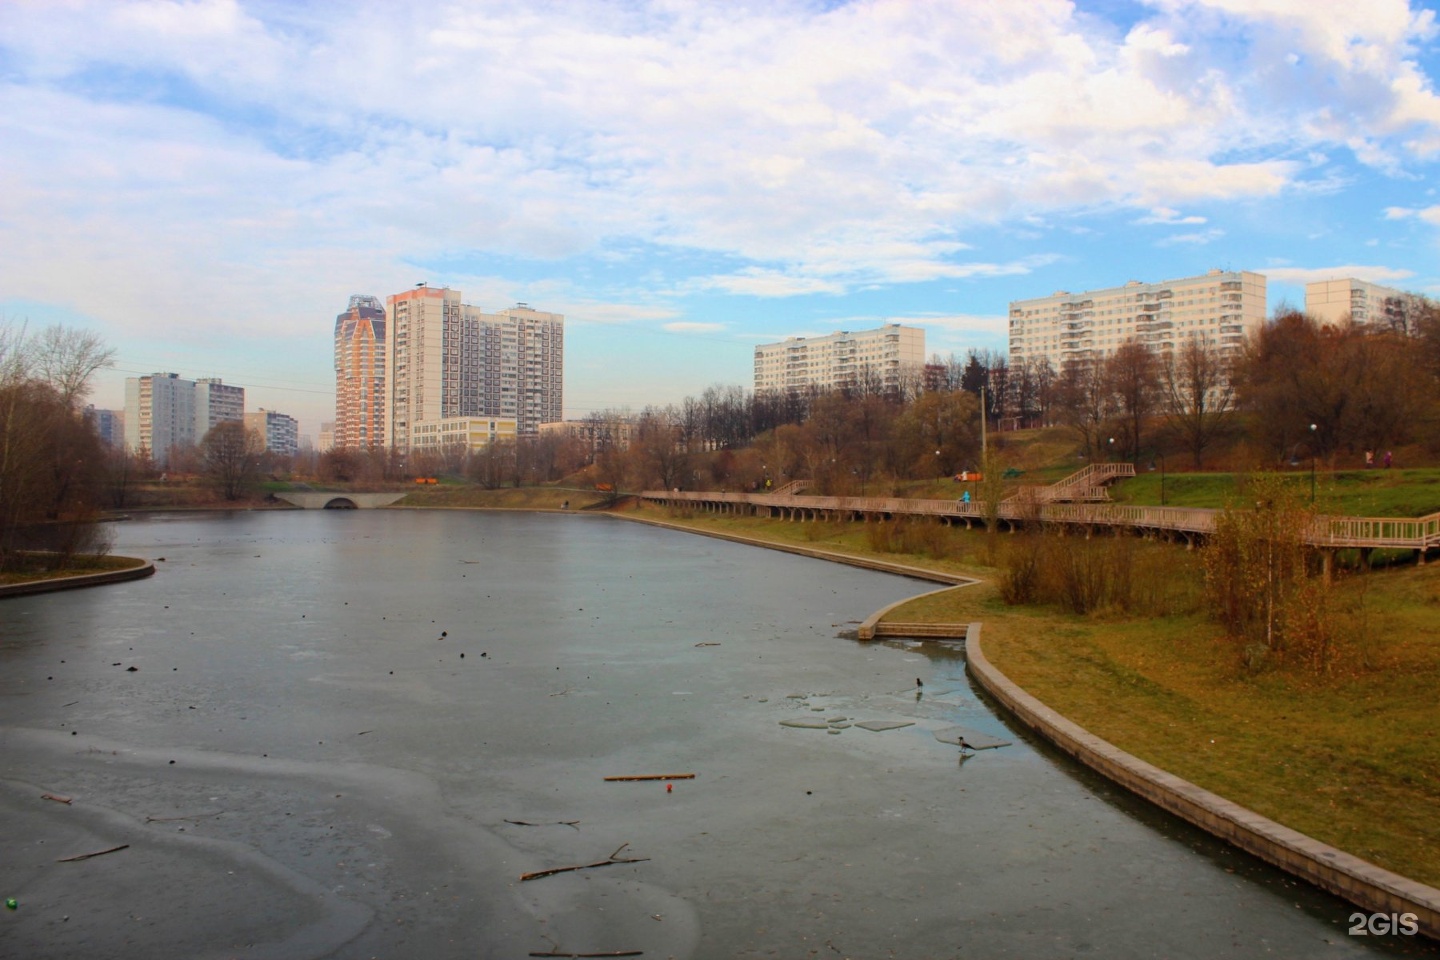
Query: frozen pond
{"x":334,"y":715}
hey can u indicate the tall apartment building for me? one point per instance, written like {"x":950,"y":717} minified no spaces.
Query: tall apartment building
{"x":280,"y":432}
{"x":444,"y":359}
{"x":1367,"y":304}
{"x":164,"y":412}
{"x":886,"y":358}
{"x":1221,"y":307}
{"x":215,"y":403}
{"x":159,"y":415}
{"x":109,"y":425}
{"x":360,"y":374}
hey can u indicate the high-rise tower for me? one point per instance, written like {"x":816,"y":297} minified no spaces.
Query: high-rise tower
{"x":447,"y":359}
{"x":360,"y":374}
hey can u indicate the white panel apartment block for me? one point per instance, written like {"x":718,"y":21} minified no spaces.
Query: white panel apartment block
{"x":1367,"y":304}
{"x":1221,"y":307}
{"x":885,"y":357}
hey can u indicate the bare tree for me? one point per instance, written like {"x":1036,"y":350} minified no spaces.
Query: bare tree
{"x":50,"y":456}
{"x":661,"y":456}
{"x":1084,"y":402}
{"x":1198,"y":395}
{"x":940,"y":434}
{"x":1131,"y":376}
{"x":67,"y":359}
{"x":1359,"y":388}
{"x":231,"y":455}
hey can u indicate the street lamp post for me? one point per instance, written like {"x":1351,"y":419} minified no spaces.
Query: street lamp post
{"x":1312,"y":463}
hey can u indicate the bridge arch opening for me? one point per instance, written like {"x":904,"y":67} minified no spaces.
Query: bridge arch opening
{"x":341,"y":503}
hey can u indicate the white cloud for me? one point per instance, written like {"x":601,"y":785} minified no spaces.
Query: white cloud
{"x":1198,"y":238}
{"x":1166,"y":215}
{"x":958,"y":323}
{"x":288,"y":153}
{"x":758,"y":282}
{"x":693,"y":327}
{"x":1312,"y":274}
{"x":1428,"y":214}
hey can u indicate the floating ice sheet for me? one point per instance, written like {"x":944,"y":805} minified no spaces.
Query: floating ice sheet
{"x":965,"y":737}
{"x":877,"y":726}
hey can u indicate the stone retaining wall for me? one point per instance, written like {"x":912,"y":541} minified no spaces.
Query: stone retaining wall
{"x":1370,"y":887}
{"x":138,"y":572}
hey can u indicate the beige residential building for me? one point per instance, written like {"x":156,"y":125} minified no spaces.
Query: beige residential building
{"x":1221,"y":307}
{"x":885,"y":359}
{"x":1368,"y":304}
{"x":444,"y":359}
{"x":473,"y":433}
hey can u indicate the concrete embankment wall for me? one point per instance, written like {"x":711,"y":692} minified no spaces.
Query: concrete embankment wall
{"x":920,"y":573}
{"x":137,"y":572}
{"x":1370,"y":887}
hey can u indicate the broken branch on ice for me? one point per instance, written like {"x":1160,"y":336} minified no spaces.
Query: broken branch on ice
{"x":613,"y":858}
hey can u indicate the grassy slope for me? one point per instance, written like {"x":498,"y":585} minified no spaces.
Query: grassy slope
{"x":1365,"y":493}
{"x":1354,"y":762}
{"x":505,"y":498}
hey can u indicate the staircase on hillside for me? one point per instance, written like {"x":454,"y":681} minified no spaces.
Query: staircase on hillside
{"x":1084,"y":485}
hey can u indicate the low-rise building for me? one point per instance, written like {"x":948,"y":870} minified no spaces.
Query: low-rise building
{"x":596,"y":433}
{"x":473,"y":433}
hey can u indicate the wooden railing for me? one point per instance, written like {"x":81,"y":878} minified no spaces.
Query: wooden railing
{"x":1411,"y":533}
{"x":1096,"y":474}
{"x":1087,"y":483}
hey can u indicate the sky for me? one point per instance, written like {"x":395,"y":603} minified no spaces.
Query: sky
{"x":205,"y":183}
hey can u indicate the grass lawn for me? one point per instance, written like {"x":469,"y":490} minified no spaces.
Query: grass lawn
{"x":1361,"y":493}
{"x":1353,"y":761}
{"x":78,"y":566}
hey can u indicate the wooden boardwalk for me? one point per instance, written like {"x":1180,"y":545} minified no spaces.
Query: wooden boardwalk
{"x":1189,"y":523}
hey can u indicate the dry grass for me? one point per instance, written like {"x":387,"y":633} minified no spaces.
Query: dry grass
{"x":505,"y":498}
{"x":79,"y":566}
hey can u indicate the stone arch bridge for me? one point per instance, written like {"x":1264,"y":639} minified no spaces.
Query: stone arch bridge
{"x":316,"y":500}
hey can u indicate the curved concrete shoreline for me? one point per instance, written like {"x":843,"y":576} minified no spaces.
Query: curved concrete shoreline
{"x":1364,"y":884}
{"x":141,"y":570}
{"x":1359,"y":881}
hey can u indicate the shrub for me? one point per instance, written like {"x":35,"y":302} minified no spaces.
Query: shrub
{"x":1263,"y":581}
